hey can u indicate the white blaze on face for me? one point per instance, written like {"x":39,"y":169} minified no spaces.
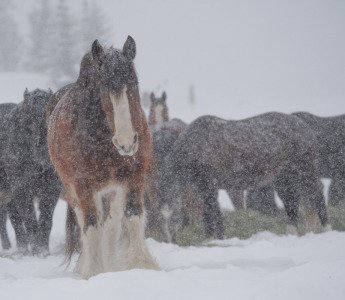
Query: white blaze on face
{"x":159,"y":113}
{"x":124,"y":138}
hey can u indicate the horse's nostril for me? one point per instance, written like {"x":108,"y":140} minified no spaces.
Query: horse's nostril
{"x":135,"y":139}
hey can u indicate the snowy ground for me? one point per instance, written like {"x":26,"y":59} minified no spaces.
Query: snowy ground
{"x":265,"y":266}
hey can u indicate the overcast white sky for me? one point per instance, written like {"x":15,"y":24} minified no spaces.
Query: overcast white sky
{"x":243,"y":56}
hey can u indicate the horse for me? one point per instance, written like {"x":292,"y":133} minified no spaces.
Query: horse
{"x":214,"y":153}
{"x":4,"y":184}
{"x":100,"y":145}
{"x":158,"y":111}
{"x":330,"y":136}
{"x":167,"y":214}
{"x":29,"y":172}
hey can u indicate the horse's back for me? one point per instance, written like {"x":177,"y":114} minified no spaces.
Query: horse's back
{"x":55,"y":98}
{"x":262,"y":144}
{"x":5,"y":108}
{"x":259,"y":132}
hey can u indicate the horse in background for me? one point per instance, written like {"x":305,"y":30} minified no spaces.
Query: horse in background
{"x":100,"y":145}
{"x":5,"y":195}
{"x":166,"y":213}
{"x":214,"y":154}
{"x":330,"y":136}
{"x":29,"y":173}
{"x":158,"y":111}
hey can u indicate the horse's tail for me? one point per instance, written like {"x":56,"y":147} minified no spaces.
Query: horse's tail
{"x":72,"y":234}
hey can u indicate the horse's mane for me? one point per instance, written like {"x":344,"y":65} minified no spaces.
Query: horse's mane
{"x":88,"y":84}
{"x":89,"y":72}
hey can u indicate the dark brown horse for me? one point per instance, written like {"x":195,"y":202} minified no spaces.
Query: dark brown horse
{"x":100,"y":144}
{"x":214,"y":154}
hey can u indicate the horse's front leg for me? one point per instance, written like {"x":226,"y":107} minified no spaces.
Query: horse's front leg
{"x":132,"y":251}
{"x":90,"y":260}
{"x":17,"y":224}
{"x":5,"y":241}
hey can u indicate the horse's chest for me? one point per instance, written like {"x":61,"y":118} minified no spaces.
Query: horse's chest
{"x":107,"y":166}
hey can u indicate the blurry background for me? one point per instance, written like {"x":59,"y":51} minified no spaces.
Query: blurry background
{"x":232,"y":58}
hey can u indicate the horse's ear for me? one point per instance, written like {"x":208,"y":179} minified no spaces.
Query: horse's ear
{"x":129,"y":49}
{"x":97,"y":52}
{"x":164,"y":96}
{"x":152,"y":97}
{"x":26,"y":93}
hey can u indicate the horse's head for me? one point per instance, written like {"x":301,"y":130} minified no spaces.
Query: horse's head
{"x":159,"y":108}
{"x":33,"y":122}
{"x":119,"y":94}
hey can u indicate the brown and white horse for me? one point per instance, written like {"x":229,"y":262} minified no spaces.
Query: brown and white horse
{"x":100,"y":145}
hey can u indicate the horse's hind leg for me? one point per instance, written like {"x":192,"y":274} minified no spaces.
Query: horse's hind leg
{"x":336,"y":192}
{"x":5,"y":241}
{"x":237,"y":198}
{"x":212,"y":216}
{"x":46,"y":206}
{"x":287,"y":189}
{"x":17,"y":224}
{"x":314,"y":204}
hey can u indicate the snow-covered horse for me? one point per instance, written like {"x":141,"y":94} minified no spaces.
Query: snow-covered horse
{"x":330,"y":137}
{"x":28,"y":172}
{"x":5,"y":196}
{"x":239,"y":155}
{"x":101,"y":146}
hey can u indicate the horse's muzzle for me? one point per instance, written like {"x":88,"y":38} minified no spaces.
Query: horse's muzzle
{"x":126,"y":149}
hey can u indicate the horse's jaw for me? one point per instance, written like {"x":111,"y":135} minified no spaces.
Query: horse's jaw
{"x":131,"y":152}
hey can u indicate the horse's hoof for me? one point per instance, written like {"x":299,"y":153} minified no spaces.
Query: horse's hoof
{"x":291,"y":230}
{"x":42,"y":253}
{"x":23,"y":251}
{"x":326,"y":228}
{"x":6,"y":245}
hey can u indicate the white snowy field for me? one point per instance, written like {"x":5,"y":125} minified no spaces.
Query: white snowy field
{"x":243,"y":58}
{"x":265,"y":266}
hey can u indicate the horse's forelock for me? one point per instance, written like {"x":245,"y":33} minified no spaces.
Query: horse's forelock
{"x":117,"y":71}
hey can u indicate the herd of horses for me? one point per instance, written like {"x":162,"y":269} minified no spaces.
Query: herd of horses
{"x":90,"y":144}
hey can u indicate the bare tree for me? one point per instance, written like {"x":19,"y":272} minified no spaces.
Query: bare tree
{"x":41,"y":33}
{"x":64,"y":54}
{"x":11,"y":41}
{"x":93,"y":25}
